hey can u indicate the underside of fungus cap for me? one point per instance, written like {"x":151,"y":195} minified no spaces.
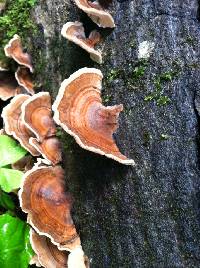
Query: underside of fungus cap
{"x":100,"y":16}
{"x":8,"y":85}
{"x":49,"y":255}
{"x":79,"y":111}
{"x":44,"y":197}
{"x":14,"y":125}
{"x":24,"y":79}
{"x":74,"y":32}
{"x":15,"y":50}
{"x":37,"y":115}
{"x":50,"y":149}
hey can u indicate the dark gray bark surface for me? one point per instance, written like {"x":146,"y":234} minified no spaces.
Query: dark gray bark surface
{"x":148,"y":215}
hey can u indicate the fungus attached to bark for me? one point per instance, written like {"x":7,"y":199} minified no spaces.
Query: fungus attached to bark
{"x":74,"y":31}
{"x":15,"y":50}
{"x":96,"y":12}
{"x":44,"y":197}
{"x":49,"y":255}
{"x":24,"y":79}
{"x":14,"y":125}
{"x":37,"y":115}
{"x":8,"y":85}
{"x":24,"y":164}
{"x":49,"y":148}
{"x":79,"y":110}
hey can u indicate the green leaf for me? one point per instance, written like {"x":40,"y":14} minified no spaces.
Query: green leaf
{"x":10,"y":179}
{"x":10,"y":151}
{"x":6,"y":201}
{"x":15,"y":248}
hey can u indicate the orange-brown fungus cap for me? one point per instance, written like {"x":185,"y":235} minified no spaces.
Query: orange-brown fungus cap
{"x":8,"y":85}
{"x":43,"y":196}
{"x":37,"y":115}
{"x":24,"y":164}
{"x":14,"y":125}
{"x":24,"y":79}
{"x":50,"y":149}
{"x":96,"y":12}
{"x":79,"y":110}
{"x":14,"y":50}
{"x":74,"y":31}
{"x":49,"y":255}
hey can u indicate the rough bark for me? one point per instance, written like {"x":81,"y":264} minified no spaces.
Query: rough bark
{"x":148,"y":215}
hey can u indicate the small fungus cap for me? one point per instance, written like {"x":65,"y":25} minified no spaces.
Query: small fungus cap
{"x":74,"y":32}
{"x":50,"y":149}
{"x":100,"y":16}
{"x":37,"y":115}
{"x":43,"y":196}
{"x":14,"y":50}
{"x":49,"y":255}
{"x":14,"y":125}
{"x":24,"y":79}
{"x":79,"y":110}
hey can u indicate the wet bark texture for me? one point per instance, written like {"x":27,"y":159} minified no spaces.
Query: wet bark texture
{"x":148,"y":215}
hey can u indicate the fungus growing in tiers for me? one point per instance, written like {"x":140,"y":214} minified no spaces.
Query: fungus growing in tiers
{"x":96,"y":12}
{"x":49,"y":255}
{"x":8,"y":85}
{"x":74,"y":31}
{"x":24,"y":79}
{"x":79,"y":111}
{"x":44,"y":197}
{"x":15,"y":50}
{"x":37,"y":115}
{"x":49,"y":148}
{"x":14,"y":125}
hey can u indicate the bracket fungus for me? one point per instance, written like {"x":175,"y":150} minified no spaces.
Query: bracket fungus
{"x":14,"y":125}
{"x":74,"y":32}
{"x":15,"y":50}
{"x":43,"y":196}
{"x":37,"y":115}
{"x":96,"y":12}
{"x":8,"y":86}
{"x":79,"y":111}
{"x":49,"y":148}
{"x":24,"y":79}
{"x":49,"y":256}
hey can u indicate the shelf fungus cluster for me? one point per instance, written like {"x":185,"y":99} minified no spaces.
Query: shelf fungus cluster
{"x":75,"y":32}
{"x":29,"y":120}
{"x":44,"y":197}
{"x":21,"y":80}
{"x":78,"y":109}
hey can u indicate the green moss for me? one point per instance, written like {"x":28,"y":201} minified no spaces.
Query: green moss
{"x":158,"y":95}
{"x":114,"y":74}
{"x":16,"y":20}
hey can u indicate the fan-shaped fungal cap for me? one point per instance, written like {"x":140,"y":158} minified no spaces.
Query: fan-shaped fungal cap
{"x":14,"y":125}
{"x":48,"y":254}
{"x":24,"y":79}
{"x":43,"y":196}
{"x":24,"y":164}
{"x":8,"y":85}
{"x":49,"y":148}
{"x":14,"y":50}
{"x":37,"y":115}
{"x":79,"y":110}
{"x":74,"y":31}
{"x":100,"y":16}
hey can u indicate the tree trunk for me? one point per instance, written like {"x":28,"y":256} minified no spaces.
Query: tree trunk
{"x":147,"y":215}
